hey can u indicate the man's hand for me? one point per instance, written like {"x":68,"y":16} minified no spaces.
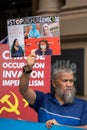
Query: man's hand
{"x":49,"y":123}
{"x":31,"y":60}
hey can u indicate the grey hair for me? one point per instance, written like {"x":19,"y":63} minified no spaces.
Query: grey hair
{"x":57,"y":70}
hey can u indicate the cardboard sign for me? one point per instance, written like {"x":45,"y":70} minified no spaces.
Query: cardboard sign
{"x":26,"y":34}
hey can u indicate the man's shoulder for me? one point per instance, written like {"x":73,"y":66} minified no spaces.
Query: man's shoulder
{"x":43,"y":95}
{"x":80,"y":100}
{"x":46,"y":94}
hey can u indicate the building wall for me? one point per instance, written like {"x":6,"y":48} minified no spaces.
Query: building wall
{"x":73,"y":20}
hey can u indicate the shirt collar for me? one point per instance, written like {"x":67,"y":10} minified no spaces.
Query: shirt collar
{"x":52,"y":98}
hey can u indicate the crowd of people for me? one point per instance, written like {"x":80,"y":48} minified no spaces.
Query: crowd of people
{"x":33,"y":32}
{"x":43,"y":45}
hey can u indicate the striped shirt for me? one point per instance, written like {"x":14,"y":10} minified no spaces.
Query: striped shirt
{"x":48,"y":107}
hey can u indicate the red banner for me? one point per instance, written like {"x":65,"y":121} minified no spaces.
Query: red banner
{"x":12,"y":104}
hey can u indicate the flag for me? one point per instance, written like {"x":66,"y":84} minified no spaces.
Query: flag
{"x":4,"y":41}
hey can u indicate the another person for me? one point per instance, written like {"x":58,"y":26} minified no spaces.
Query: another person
{"x":33,"y":33}
{"x":46,"y":31}
{"x":26,"y":32}
{"x":25,"y":35}
{"x":43,"y":48}
{"x":60,"y":107}
{"x":16,"y":50}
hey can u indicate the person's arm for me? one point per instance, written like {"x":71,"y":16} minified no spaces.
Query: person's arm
{"x":83,"y":127}
{"x":52,"y":122}
{"x":28,"y":93}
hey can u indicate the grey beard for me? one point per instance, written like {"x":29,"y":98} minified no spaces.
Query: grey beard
{"x":67,"y":98}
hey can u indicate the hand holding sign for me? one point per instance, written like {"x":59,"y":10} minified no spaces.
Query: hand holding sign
{"x":31,"y":60}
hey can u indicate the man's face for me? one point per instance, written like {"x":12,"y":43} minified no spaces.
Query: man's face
{"x":64,"y":87}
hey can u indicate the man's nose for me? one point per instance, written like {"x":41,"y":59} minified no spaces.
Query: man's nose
{"x":69,"y":83}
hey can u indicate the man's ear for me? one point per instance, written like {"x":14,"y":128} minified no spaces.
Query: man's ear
{"x":54,"y":83}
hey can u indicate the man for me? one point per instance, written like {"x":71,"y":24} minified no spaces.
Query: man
{"x":60,"y":107}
